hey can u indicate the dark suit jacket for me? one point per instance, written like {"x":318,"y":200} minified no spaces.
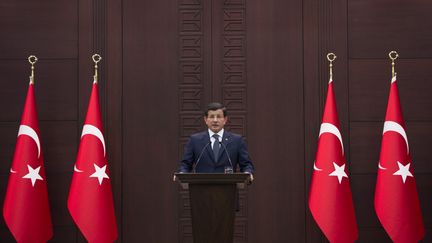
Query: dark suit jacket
{"x":235,"y":147}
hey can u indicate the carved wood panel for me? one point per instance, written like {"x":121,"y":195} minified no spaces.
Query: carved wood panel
{"x":212,"y":67}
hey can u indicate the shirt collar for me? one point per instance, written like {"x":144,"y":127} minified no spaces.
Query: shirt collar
{"x":220,"y":133}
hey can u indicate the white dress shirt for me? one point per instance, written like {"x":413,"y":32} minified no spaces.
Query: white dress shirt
{"x":212,"y":139}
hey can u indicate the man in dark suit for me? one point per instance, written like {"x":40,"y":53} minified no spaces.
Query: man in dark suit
{"x":216,"y":150}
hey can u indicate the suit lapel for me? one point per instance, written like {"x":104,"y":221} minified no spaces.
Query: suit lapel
{"x":226,"y":138}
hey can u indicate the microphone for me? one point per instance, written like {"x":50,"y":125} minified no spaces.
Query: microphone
{"x":229,"y":158}
{"x":200,"y":155}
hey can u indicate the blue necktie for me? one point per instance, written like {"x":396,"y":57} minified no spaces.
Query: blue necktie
{"x":216,"y":146}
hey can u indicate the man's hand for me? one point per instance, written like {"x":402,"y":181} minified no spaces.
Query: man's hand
{"x":251,"y":178}
{"x":174,"y":177}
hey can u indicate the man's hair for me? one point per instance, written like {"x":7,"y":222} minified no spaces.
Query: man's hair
{"x":215,"y":106}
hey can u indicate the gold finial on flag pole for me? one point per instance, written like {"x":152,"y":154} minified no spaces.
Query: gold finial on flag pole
{"x":393,"y":56}
{"x":331,"y":57}
{"x":96,"y":58}
{"x":32,"y":60}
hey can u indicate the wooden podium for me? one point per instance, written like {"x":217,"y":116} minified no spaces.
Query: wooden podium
{"x":213,"y":198}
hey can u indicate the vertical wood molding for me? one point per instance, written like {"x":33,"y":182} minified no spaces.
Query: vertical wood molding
{"x":233,"y":76}
{"x":191,"y":92}
{"x":114,"y":103}
{"x":99,"y":47}
{"x":191,"y":82}
{"x":324,"y":31}
{"x":231,"y":79}
{"x":312,"y":103}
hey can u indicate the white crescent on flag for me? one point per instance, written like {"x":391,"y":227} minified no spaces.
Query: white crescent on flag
{"x":316,"y":168}
{"x":330,"y":128}
{"x":92,"y":130}
{"x":395,"y":127}
{"x":381,"y":167}
{"x":26,"y":130}
{"x":76,"y":169}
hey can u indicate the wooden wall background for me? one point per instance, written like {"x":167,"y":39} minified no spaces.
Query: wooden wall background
{"x":165,"y":60}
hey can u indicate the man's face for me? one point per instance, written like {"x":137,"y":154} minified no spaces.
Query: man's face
{"x":215,"y":120}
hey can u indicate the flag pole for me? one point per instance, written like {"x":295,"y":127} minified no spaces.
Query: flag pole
{"x":331,"y":57}
{"x":393,"y":56}
{"x":96,"y":58}
{"x":32,"y":60}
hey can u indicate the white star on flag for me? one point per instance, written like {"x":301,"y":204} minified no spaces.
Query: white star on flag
{"x":100,"y":173}
{"x":339,"y":172}
{"x":403,"y":171}
{"x":33,"y":174}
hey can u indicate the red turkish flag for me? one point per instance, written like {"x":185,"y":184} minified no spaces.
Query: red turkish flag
{"x":26,"y":208}
{"x":90,"y":199}
{"x":330,"y":194}
{"x":396,"y":201}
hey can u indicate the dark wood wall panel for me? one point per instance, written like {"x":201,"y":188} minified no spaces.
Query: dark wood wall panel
{"x":312,"y":97}
{"x":6,"y":236}
{"x":8,"y":131}
{"x":424,"y":185}
{"x":58,"y":186}
{"x":64,"y":234}
{"x":59,"y":143}
{"x":55,"y":87}
{"x":365,"y":146}
{"x":46,"y":28}
{"x":113,"y":105}
{"x":150,"y":121}
{"x":420,"y":136}
{"x":376,"y":27}
{"x":277,"y":199}
{"x":363,"y":186}
{"x":369,"y":86}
